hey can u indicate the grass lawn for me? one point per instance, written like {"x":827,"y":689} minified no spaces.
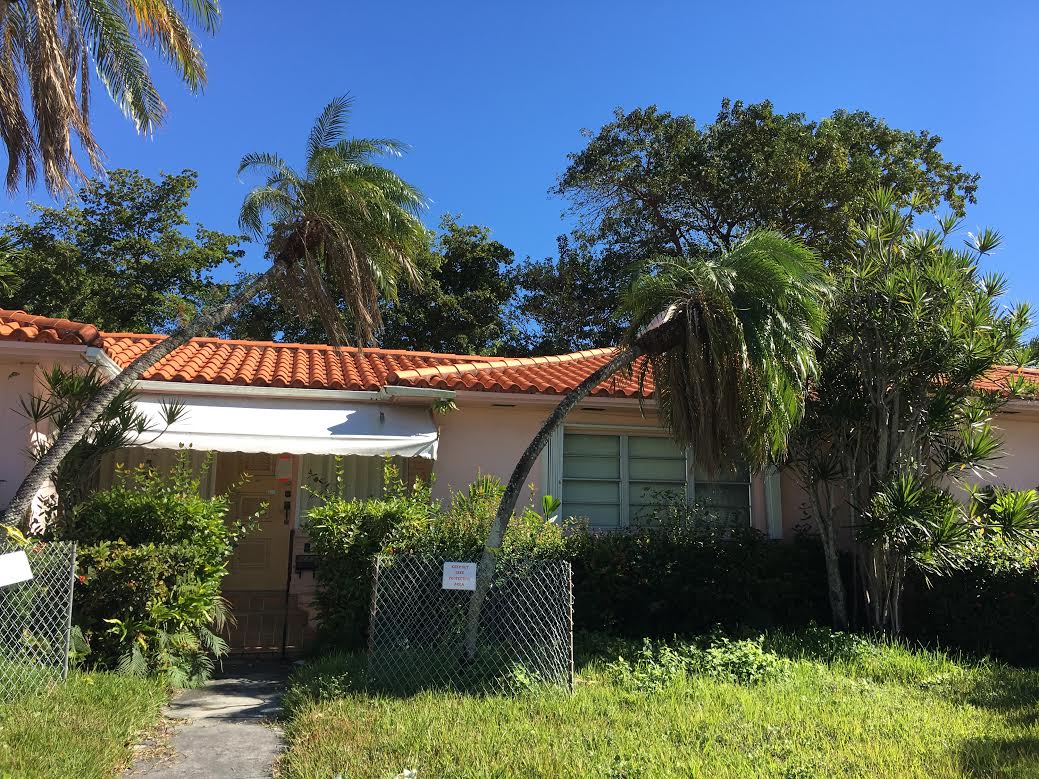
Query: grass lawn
{"x":808,"y":708}
{"x":83,"y":728}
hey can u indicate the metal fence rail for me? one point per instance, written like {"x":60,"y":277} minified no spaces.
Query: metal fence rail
{"x":417,"y":632}
{"x":35,"y":620}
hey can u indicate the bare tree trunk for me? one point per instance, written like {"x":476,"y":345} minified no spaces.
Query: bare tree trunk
{"x":828,"y":537}
{"x":485,"y":572}
{"x":48,"y":463}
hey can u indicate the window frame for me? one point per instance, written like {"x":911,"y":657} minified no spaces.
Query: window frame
{"x":554,"y":468}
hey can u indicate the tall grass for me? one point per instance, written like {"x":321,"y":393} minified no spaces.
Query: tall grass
{"x":782,"y":705}
{"x":84,"y":728}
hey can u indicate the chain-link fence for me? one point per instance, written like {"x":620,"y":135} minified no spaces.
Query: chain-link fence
{"x":35,"y":620}
{"x":418,"y":628}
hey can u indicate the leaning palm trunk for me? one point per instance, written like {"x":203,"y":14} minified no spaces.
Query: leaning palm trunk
{"x":48,"y":463}
{"x":488,"y":560}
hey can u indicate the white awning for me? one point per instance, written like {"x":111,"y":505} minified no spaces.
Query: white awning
{"x":244,"y":423}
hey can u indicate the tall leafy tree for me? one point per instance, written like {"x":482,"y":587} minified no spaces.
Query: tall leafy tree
{"x":897,"y":429}
{"x":463,"y":306}
{"x":567,"y":303}
{"x":343,"y":216}
{"x":47,"y":51}
{"x":651,"y":183}
{"x":119,"y":256}
{"x":730,"y":342}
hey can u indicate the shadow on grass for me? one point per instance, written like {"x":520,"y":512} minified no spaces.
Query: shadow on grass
{"x":987,"y":757}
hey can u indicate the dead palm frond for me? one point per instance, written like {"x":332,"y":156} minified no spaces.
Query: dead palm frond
{"x":47,"y":51}
{"x":342,"y":228}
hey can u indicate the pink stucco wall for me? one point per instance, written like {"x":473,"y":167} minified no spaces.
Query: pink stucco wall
{"x":20,"y":377}
{"x":16,"y":382}
{"x":486,"y":436}
{"x":1017,"y":425}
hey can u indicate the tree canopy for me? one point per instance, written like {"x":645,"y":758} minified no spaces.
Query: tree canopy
{"x":462,"y":308}
{"x":652,"y":183}
{"x":119,"y":256}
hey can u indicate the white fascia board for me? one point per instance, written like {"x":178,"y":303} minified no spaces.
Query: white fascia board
{"x":244,"y":390}
{"x":478,"y":397}
{"x":429,"y":394}
{"x":99,"y":357}
{"x":25,"y":349}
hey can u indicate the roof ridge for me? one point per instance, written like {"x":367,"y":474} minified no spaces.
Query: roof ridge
{"x":85,"y":332}
{"x":496,"y":362}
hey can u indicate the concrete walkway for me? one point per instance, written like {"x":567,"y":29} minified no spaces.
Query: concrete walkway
{"x":225,"y":729}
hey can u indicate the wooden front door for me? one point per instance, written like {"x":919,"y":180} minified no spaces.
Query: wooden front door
{"x":261,"y":560}
{"x":265,"y":620}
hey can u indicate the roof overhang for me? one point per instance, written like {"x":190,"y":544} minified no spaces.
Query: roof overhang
{"x":296,"y":424}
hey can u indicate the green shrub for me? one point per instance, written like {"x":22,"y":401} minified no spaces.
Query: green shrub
{"x":658,"y":665}
{"x":989,"y":605}
{"x":151,"y":559}
{"x":684,"y":574}
{"x":459,"y":531}
{"x":345,"y":535}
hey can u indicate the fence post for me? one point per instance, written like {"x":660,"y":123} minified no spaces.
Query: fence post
{"x":68,"y":613}
{"x":371,"y":613}
{"x":570,"y":599}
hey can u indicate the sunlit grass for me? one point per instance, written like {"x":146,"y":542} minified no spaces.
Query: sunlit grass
{"x":83,"y":728}
{"x":854,"y":709}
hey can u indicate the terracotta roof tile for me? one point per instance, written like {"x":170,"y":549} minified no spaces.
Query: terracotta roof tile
{"x":20,"y":326}
{"x":316,"y":366}
{"x":273,"y":364}
{"x":552,"y":375}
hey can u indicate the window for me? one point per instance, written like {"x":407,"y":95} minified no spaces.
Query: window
{"x":616,"y":479}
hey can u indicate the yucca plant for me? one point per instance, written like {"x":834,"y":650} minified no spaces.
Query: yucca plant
{"x":901,"y":416}
{"x":47,"y":51}
{"x":342,"y":223}
{"x":730,"y":342}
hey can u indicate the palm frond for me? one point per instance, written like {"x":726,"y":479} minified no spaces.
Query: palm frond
{"x":731,"y":382}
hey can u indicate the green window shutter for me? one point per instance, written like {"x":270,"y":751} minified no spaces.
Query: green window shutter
{"x":591,"y":479}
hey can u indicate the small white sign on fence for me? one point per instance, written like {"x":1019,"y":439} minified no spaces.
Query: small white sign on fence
{"x":14,"y":568}
{"x":459,"y":576}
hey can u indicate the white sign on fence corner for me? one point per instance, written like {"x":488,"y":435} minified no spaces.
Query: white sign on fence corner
{"x":14,"y":568}
{"x":459,"y":576}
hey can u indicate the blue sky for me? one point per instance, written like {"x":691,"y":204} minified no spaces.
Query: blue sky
{"x":493,"y":95}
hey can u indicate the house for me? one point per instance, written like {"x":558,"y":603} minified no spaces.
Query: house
{"x":282,"y":413}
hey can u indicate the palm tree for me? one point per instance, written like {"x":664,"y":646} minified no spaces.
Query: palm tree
{"x":47,"y":48}
{"x":343,"y":220}
{"x":730,"y":343}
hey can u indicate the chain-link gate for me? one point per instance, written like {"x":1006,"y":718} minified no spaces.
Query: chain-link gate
{"x":35,"y":620}
{"x":417,"y":632}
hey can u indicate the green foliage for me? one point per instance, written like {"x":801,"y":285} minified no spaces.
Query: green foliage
{"x":121,"y":424}
{"x":118,"y":256}
{"x":153,"y":554}
{"x":651,"y":183}
{"x":732,"y":359}
{"x":988,"y":605}
{"x":808,"y":704}
{"x":85,"y":727}
{"x":345,"y":535}
{"x":896,"y":418}
{"x":458,"y":531}
{"x":460,"y":309}
{"x":52,"y":53}
{"x":567,"y":303}
{"x":684,"y":574}
{"x":344,"y":229}
{"x":659,"y":665}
